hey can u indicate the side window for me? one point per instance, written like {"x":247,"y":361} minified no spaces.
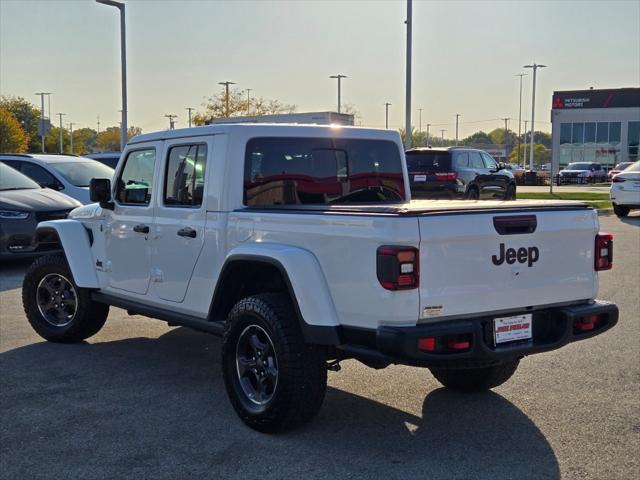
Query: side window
{"x":184,"y":178}
{"x":489,"y":162}
{"x":461,"y":160}
{"x":135,"y":184}
{"x":40,"y":175}
{"x":475,"y":160}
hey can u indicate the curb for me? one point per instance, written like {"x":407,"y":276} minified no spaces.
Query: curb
{"x":605,"y":212}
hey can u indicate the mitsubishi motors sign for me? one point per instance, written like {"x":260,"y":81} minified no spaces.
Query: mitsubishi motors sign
{"x":612,"y":98}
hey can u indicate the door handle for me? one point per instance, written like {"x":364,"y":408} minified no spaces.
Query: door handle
{"x":141,"y":229}
{"x":187,"y":232}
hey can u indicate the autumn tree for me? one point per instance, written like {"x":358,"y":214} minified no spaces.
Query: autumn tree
{"x":85,"y":140}
{"x":478,"y":138}
{"x":216,"y":106}
{"x":541,"y":154}
{"x":28,"y":116}
{"x":109,"y":140}
{"x":13,"y":138}
{"x":498,"y":137}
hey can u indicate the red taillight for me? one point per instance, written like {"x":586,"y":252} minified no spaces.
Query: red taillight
{"x":588,"y":324}
{"x":604,"y":251}
{"x":427,"y":344}
{"x":398,"y":267}
{"x":446,"y":176}
{"x":617,"y":179}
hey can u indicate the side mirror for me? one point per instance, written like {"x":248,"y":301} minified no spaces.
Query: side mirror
{"x":100,"y":191}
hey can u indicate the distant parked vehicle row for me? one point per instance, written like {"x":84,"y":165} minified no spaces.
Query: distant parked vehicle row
{"x":619,"y":168}
{"x":458,"y":172}
{"x":64,"y":173}
{"x":582,"y":172}
{"x":24,"y":203}
{"x":625,"y":190}
{"x":110,"y":159}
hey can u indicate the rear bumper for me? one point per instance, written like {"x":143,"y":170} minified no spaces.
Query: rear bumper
{"x":551,"y":329}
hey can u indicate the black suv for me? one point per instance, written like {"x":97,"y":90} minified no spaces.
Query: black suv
{"x":458,"y":172}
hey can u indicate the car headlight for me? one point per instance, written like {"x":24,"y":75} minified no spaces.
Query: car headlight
{"x":13,"y":215}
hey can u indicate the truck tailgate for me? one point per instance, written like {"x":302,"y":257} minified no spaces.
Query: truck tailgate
{"x":491,"y":261}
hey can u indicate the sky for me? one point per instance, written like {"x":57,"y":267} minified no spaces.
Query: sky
{"x":465,"y":56}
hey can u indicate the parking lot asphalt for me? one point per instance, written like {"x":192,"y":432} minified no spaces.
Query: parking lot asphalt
{"x":143,"y":400}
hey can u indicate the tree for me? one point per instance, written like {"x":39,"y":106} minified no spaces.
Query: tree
{"x":13,"y":138}
{"x":109,"y":140}
{"x":215,"y":106}
{"x":541,"y":154}
{"x":417,"y":138}
{"x":478,"y":138}
{"x":497,"y":137}
{"x":28,"y":115}
{"x":84,"y":140}
{"x":52,"y":141}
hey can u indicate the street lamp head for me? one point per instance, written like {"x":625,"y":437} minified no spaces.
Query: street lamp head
{"x":226,"y":83}
{"x":338,"y":76}
{"x":111,"y":3}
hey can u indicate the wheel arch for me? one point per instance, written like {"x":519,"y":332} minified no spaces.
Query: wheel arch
{"x":75,"y":241}
{"x":247,"y":271}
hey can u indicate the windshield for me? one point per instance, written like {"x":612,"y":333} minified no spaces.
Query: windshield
{"x":635,"y":167}
{"x":80,"y":173}
{"x":11,"y":179}
{"x":623,"y":165}
{"x":425,"y":161}
{"x":579,"y":166}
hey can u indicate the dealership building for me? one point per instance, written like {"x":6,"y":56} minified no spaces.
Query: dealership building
{"x":600,"y":126}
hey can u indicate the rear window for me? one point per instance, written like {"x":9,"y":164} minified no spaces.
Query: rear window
{"x":426,"y":161}
{"x":294,"y":171}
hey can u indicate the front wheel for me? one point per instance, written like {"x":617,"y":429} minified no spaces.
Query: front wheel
{"x":57,"y":309}
{"x":510,"y":194}
{"x":475,"y":379}
{"x":473,"y":193}
{"x":621,"y":210}
{"x":275,"y":381}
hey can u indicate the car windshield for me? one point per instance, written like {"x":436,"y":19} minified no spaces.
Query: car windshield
{"x":623,"y":165}
{"x":579,"y":166}
{"x":80,"y":173}
{"x":634,"y":167}
{"x":421,"y":161}
{"x":11,"y":179}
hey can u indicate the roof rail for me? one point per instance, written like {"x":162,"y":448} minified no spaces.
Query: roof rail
{"x":25,"y":155}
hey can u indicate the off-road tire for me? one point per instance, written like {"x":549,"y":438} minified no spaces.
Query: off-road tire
{"x":510,"y":194}
{"x":475,"y":379}
{"x":473,"y":194}
{"x":89,"y":316}
{"x":301,"y":367}
{"x":621,"y":210}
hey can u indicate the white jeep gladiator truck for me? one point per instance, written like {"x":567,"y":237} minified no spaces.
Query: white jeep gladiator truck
{"x":301,"y":247}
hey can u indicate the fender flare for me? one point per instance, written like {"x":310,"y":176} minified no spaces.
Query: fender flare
{"x":305,"y":281}
{"x":76,"y":244}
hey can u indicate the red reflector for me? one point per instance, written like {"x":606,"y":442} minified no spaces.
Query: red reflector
{"x":588,"y":323}
{"x":451,"y":345}
{"x":427,"y":344}
{"x":446,"y":175}
{"x":406,"y":280}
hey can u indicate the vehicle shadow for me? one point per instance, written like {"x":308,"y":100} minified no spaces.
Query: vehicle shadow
{"x":12,"y":272}
{"x":632,"y":219}
{"x":157,"y":408}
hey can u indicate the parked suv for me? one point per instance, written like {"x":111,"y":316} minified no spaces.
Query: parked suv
{"x":458,"y":173}
{"x":582,"y":172}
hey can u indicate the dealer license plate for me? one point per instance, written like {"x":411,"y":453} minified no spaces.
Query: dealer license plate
{"x":511,"y":329}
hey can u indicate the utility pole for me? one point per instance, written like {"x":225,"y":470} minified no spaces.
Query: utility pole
{"x":442,"y":136}
{"x":533,"y":112}
{"x":171,"y":117}
{"x":249,"y":101}
{"x":520,"y":115}
{"x":386,"y":115}
{"x":524,"y":154}
{"x":61,"y":138}
{"x":506,"y":133}
{"x":42,"y":122}
{"x":419,"y":120}
{"x":339,"y":77}
{"x":189,"y":109}
{"x":226,"y":96}
{"x":71,"y":124}
{"x":123,"y":62}
{"x":98,"y":133}
{"x":407,"y":129}
{"x":457,"y":117}
{"x":426,"y":138}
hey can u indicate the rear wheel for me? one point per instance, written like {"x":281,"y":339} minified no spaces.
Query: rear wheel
{"x":510,"y":194}
{"x":475,"y":379}
{"x":57,"y":309}
{"x":473,"y":193}
{"x":275,"y":381}
{"x":621,"y":210}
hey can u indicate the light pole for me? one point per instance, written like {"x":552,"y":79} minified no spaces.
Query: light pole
{"x":171,"y":123}
{"x":339,"y":77}
{"x":520,"y":115}
{"x":506,"y":132}
{"x":533,"y":110}
{"x":457,"y":117}
{"x":386,"y":115}
{"x":409,"y":22}
{"x":189,"y":109}
{"x":123,"y":60}
{"x":71,"y":124}
{"x":61,"y":139}
{"x":442,"y":135}
{"x":226,"y":96}
{"x":249,"y":101}
{"x":426,"y":138}
{"x":419,"y":120}
{"x":42,"y":124}
{"x":524,"y":154}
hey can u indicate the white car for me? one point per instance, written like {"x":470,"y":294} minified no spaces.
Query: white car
{"x":582,"y":172}
{"x":65,"y":173}
{"x":625,"y":190}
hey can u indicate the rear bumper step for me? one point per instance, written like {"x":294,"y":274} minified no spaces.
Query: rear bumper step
{"x":469,"y":342}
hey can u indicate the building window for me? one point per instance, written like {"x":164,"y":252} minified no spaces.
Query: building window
{"x":633,"y":140}
{"x":565,"y":133}
{"x":589,"y":132}
{"x":614,"y":133}
{"x":577,"y":138}
{"x":595,"y":142}
{"x":602,"y":135}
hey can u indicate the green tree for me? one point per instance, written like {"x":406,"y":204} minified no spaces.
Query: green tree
{"x":478,"y":138}
{"x":498,"y":137}
{"x":52,"y":141}
{"x":418,"y":139}
{"x":84,"y":140}
{"x":215,"y":106}
{"x":109,"y":139}
{"x":541,"y":154}
{"x":28,"y":115}
{"x":13,"y":138}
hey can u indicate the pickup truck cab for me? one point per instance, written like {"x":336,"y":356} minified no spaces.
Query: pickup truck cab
{"x":301,"y":247}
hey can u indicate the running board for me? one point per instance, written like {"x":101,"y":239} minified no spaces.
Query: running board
{"x":215,"y":328}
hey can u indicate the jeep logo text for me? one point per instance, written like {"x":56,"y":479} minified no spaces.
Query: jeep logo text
{"x":522,"y":255}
